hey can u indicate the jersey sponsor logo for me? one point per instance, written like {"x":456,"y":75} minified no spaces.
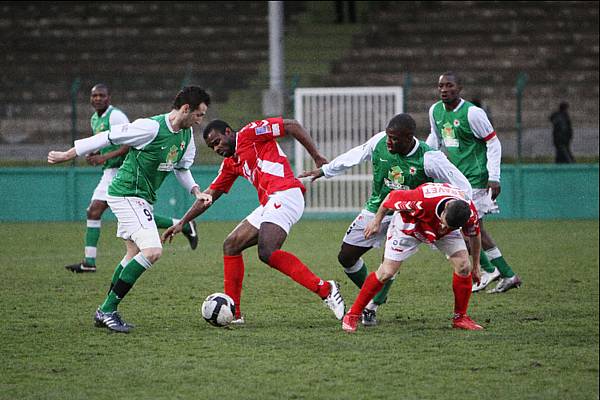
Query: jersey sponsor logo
{"x":395,"y":179}
{"x":276,"y":131}
{"x":262,"y":130}
{"x":449,"y":136}
{"x":436,"y":190}
{"x":169,"y":164}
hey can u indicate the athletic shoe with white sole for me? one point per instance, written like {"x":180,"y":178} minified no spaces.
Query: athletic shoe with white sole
{"x":80,"y":267}
{"x":506,"y":284}
{"x":369,"y":317}
{"x":238,"y":321}
{"x":192,"y":237}
{"x":486,"y":279}
{"x":350,"y":322}
{"x":334,"y":301}
{"x":112,"y":321}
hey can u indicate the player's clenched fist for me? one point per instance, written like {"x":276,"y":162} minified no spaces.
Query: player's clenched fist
{"x":55,"y":157}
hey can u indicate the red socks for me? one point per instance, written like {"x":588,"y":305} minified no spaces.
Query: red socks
{"x":290,"y":265}
{"x":233,"y":276}
{"x":369,"y":289}
{"x":461,"y":285}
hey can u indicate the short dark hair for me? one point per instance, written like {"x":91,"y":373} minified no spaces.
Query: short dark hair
{"x":453,"y":74}
{"x":402,"y":122}
{"x":192,"y":95}
{"x":563,"y":106}
{"x":458,"y":213}
{"x":215,"y":125}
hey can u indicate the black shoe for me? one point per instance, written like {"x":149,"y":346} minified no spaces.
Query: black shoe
{"x":81,"y":267}
{"x":192,"y":237}
{"x":369,"y":317}
{"x":112,"y":321}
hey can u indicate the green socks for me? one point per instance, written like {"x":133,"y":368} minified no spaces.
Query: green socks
{"x":127,"y":278}
{"x":497,"y":260}
{"x":486,"y":265}
{"x":358,"y":273}
{"x":92,"y":235}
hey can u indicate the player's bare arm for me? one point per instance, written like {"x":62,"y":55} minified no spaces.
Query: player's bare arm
{"x":374,"y":226}
{"x":475,"y":246}
{"x":99,"y":159}
{"x":57,"y":157}
{"x":314,"y":174}
{"x":297,"y":131}
{"x":199,"y":206}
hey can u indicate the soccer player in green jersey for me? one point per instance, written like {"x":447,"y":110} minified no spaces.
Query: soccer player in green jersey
{"x":471,"y":143}
{"x":110,"y":157}
{"x":158,"y":145}
{"x":400,"y":162}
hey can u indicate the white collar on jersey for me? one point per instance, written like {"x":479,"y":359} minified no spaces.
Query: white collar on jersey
{"x":106,"y":111}
{"x":415,"y":147}
{"x":460,"y":104}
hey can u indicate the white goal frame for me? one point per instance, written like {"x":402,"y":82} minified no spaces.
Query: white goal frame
{"x":339,"y":119}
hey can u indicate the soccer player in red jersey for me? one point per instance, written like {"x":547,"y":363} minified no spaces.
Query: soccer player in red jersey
{"x":254,"y":153}
{"x":433,"y":213}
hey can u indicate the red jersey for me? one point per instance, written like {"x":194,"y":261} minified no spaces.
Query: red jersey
{"x":260,"y":160}
{"x":420,"y":210}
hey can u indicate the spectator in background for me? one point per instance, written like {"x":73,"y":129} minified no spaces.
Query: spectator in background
{"x":339,"y":11}
{"x":562,"y":133}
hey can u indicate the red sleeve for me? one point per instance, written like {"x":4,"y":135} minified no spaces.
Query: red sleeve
{"x":404,"y":200}
{"x":226,"y":176}
{"x":263,"y":130}
{"x":472,"y":228}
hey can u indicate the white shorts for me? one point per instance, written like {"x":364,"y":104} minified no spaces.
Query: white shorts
{"x":400,"y":246}
{"x":484,"y":203}
{"x":100,"y":192}
{"x":135,"y":221}
{"x":283,"y":209}
{"x":355,"y":235}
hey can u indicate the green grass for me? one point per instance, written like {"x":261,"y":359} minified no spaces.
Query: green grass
{"x":540,"y":342}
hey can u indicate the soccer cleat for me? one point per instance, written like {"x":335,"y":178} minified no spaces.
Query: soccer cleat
{"x":350,"y":322}
{"x":334,"y":301}
{"x":238,"y":321}
{"x":81,"y":267}
{"x":112,"y":321}
{"x":192,"y":237}
{"x":486,"y":279}
{"x":465,"y":322}
{"x":369,"y":317}
{"x":506,"y":284}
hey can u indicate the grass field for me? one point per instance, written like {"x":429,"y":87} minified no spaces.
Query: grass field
{"x":540,"y":342}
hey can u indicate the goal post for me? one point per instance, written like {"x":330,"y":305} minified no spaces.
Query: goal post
{"x":339,"y":119}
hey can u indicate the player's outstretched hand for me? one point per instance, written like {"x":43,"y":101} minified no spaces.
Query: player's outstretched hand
{"x":95,"y":159}
{"x":372,"y":228}
{"x":56,"y":157}
{"x":494,"y":189}
{"x":205,"y":197}
{"x":172,"y":231}
{"x":314,"y":174}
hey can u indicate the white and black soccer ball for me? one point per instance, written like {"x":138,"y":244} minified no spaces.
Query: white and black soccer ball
{"x":218,"y":309}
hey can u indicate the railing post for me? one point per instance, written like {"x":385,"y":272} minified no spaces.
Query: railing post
{"x":521,"y":83}
{"x":406,"y":91}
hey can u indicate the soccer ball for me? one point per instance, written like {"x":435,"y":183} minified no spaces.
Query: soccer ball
{"x":218,"y":309}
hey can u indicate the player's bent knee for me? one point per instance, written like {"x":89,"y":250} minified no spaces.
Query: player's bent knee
{"x":346,"y":261}
{"x":265,"y":253}
{"x":152,"y":254}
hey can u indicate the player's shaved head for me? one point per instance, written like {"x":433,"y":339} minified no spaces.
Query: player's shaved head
{"x":458,"y":213}
{"x":402,"y":122}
